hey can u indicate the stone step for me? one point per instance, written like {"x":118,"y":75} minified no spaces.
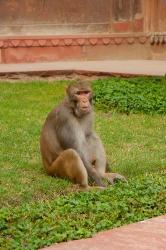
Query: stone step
{"x":145,"y":235}
{"x":117,"y":67}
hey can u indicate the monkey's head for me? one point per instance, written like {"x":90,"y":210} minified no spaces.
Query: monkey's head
{"x":80,"y":97}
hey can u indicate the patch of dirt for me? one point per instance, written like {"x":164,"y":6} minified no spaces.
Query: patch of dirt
{"x":46,"y":76}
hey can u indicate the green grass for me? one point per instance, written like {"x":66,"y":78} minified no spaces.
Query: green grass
{"x":135,"y":144}
{"x":82,"y":214}
{"x":131,"y":95}
{"x":36,"y":209}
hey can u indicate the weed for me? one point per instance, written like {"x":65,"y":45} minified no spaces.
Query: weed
{"x":133,"y":95}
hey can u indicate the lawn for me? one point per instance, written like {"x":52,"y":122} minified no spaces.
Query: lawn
{"x":36,"y":209}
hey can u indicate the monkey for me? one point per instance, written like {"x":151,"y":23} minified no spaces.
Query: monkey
{"x":69,"y":146}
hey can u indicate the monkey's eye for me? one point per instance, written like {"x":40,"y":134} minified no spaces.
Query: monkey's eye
{"x":83,"y":92}
{"x":79,"y":93}
{"x":86,"y":92}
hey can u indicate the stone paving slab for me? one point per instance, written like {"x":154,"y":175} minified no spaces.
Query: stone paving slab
{"x":126,"y":67}
{"x":145,"y":235}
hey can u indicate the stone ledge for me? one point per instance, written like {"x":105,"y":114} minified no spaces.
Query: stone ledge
{"x":88,"y":68}
{"x":53,"y":41}
{"x":145,"y":235}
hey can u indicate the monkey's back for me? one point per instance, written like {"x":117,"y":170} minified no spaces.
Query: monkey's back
{"x":49,"y":146}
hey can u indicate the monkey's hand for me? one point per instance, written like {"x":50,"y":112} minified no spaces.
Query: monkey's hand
{"x":112,"y":178}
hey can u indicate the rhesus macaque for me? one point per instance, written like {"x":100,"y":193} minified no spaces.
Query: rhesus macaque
{"x":69,"y":146}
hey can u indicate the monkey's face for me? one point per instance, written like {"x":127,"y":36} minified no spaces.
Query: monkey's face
{"x":82,"y":101}
{"x":80,"y":97}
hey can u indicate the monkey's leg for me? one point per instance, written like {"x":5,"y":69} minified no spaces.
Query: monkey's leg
{"x":113,"y":177}
{"x":69,"y":165}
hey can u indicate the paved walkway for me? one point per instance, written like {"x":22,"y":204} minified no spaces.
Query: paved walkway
{"x":127,"y":67}
{"x":145,"y":235}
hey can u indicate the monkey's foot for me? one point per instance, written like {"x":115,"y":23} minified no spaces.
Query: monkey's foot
{"x":112,"y":178}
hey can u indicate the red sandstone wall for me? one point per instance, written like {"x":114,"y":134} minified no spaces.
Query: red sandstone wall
{"x":47,"y":30}
{"x":54,"y":17}
{"x":21,"y":17}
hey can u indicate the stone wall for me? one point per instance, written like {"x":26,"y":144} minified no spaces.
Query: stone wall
{"x":54,"y":17}
{"x":47,"y":30}
{"x":69,"y":17}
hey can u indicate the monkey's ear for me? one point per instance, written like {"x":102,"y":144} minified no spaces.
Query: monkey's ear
{"x":70,"y":88}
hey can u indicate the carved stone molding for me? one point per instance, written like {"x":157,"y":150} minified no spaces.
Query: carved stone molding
{"x":13,"y":42}
{"x":158,"y":38}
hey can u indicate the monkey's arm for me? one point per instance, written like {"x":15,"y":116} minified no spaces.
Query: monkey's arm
{"x":70,"y":136}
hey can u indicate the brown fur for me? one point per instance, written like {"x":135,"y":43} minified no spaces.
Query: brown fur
{"x":69,"y":146}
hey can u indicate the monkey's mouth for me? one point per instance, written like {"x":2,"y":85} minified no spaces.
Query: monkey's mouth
{"x":85,"y":109}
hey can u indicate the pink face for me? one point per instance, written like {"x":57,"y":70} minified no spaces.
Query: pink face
{"x":83,"y":102}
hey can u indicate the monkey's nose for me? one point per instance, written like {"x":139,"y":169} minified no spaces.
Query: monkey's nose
{"x":84,"y":100}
